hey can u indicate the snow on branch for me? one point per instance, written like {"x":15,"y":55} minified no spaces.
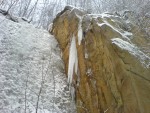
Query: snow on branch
{"x":73,"y":60}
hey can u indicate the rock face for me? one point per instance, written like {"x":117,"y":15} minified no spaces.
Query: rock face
{"x":113,"y":61}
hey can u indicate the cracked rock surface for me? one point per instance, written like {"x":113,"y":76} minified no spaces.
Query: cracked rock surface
{"x":113,"y":62}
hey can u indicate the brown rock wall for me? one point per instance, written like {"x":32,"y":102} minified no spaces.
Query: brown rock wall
{"x":110,"y":79}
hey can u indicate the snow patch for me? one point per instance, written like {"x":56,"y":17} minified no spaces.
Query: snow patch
{"x":145,"y":60}
{"x":101,"y":24}
{"x":126,"y":33}
{"x":115,"y":29}
{"x":89,"y":72}
{"x":103,"y":15}
{"x":50,"y":27}
{"x":28,"y":58}
{"x":86,"y":55}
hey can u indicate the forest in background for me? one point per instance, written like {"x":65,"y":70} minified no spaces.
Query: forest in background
{"x":42,"y":12}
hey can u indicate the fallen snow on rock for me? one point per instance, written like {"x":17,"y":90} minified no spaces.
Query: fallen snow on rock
{"x":124,"y":34}
{"x":134,"y":50}
{"x":125,"y":39}
{"x":31,"y":71}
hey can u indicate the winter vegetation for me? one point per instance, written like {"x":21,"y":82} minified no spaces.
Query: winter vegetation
{"x":42,"y":12}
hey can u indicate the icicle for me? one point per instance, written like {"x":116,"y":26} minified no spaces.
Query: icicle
{"x":72,"y":91}
{"x":80,"y":32}
{"x":73,"y":60}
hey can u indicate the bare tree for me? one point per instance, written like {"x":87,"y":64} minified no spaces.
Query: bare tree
{"x":12,"y":3}
{"x":33,"y":9}
{"x":43,"y":13}
{"x":26,"y":86}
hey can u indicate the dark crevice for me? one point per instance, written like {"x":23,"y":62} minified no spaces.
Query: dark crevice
{"x":138,"y":75}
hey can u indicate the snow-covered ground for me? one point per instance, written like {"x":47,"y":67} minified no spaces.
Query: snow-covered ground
{"x":31,"y":71}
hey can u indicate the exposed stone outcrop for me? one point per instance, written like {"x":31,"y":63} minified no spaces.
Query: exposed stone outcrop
{"x":113,"y":62}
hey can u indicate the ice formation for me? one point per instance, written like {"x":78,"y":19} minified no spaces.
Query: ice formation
{"x":80,"y":35}
{"x":72,"y":91}
{"x":73,"y":60}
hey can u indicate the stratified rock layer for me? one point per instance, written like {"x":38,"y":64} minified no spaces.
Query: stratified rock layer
{"x":113,"y":62}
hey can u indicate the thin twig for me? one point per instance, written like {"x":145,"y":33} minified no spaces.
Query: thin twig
{"x":37,"y":104}
{"x":26,"y":93}
{"x":54,"y":89}
{"x":43,"y":80}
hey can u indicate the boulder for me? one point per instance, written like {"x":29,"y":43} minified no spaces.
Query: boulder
{"x":113,"y":61}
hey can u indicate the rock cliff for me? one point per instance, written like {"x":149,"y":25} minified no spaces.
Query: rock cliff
{"x":113,"y":71}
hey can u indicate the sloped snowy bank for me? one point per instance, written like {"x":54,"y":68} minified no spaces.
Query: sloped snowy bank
{"x":31,"y":71}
